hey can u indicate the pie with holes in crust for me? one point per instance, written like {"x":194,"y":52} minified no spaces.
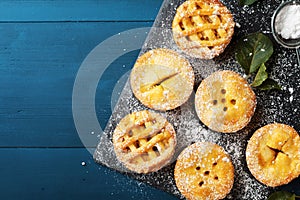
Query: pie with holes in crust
{"x":203,"y":28}
{"x":162,"y":79}
{"x":204,"y":171}
{"x":144,"y":141}
{"x":225,"y":102}
{"x":273,"y":154}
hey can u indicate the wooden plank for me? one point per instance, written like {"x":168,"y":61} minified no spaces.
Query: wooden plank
{"x":81,"y":10}
{"x":38,"y":66}
{"x":34,"y":173}
{"x":43,"y":173}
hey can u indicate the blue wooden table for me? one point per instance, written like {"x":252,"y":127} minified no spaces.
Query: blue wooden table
{"x":42,"y":46}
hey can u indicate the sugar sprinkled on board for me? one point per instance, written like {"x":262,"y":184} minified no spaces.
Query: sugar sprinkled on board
{"x":272,"y":106}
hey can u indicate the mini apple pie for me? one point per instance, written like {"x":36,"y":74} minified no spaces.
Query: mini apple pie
{"x":225,"y":102}
{"x":144,"y":141}
{"x":203,"y":28}
{"x":273,"y":154}
{"x":162,"y":79}
{"x":204,"y":171}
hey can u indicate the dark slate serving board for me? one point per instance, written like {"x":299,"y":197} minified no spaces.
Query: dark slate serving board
{"x":273,"y":106}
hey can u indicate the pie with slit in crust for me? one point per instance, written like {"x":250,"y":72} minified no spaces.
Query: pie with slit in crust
{"x":162,"y":79}
{"x":273,"y":154}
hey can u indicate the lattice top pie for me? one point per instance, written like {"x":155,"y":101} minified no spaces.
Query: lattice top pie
{"x":273,"y":154}
{"x":203,"y":28}
{"x":162,"y":79}
{"x":144,"y":141}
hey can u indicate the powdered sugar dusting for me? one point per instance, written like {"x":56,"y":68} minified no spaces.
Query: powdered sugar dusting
{"x":272,"y":106}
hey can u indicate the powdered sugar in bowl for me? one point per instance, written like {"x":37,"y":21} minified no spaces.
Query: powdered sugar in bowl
{"x":286,"y":25}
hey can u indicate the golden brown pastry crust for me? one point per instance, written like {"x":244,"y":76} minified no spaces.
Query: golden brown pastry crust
{"x":273,"y":154}
{"x":203,"y":28}
{"x":225,"y":102}
{"x":144,"y":141}
{"x":204,"y":171}
{"x":162,"y":79}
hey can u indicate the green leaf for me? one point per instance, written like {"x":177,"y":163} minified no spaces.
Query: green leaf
{"x":269,"y":84}
{"x":252,"y":51}
{"x":246,"y":2}
{"x":261,"y":76}
{"x":282,"y":195}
